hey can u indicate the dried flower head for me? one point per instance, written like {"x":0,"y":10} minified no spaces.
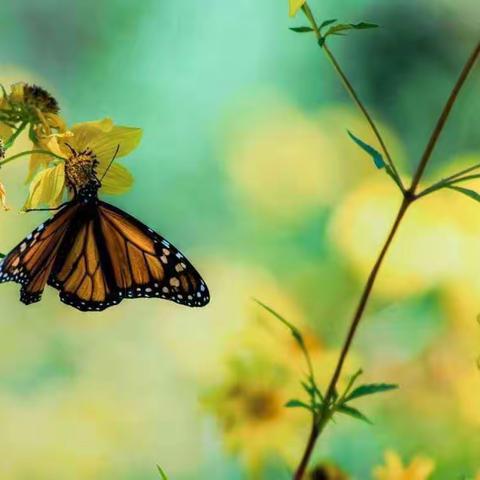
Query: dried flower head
{"x":38,"y":98}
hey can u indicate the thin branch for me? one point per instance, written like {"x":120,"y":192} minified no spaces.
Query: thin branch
{"x":443,"y":118}
{"x":29,"y":152}
{"x":351,"y":90}
{"x":408,"y":199}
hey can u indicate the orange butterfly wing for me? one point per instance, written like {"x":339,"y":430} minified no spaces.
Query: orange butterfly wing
{"x":113,"y":256}
{"x":30,"y":263}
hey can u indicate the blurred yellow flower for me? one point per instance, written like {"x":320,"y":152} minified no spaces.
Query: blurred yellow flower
{"x":295,"y":6}
{"x":99,"y":140}
{"x":263,"y":368}
{"x":431,"y":244}
{"x":419,"y":469}
{"x":327,"y":472}
{"x":287,"y":164}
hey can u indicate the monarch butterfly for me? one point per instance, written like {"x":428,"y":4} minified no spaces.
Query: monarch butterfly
{"x":96,"y":254}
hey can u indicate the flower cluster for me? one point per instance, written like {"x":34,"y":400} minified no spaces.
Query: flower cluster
{"x":55,"y":145}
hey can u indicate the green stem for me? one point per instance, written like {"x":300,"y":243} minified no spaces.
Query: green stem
{"x":450,"y":180}
{"x":354,"y":95}
{"x":30,"y":152}
{"x":408,"y":199}
{"x":9,"y":143}
{"x":442,"y":120}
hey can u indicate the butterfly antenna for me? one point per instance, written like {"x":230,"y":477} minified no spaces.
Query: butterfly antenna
{"x":111,"y":161}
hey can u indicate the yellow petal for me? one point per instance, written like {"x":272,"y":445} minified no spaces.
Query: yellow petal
{"x":47,"y":187}
{"x":105,"y":145}
{"x":103,"y":138}
{"x":118,"y":180}
{"x":3,"y":197}
{"x":38,"y":160}
{"x":295,"y":6}
{"x":421,"y":468}
{"x":56,"y":121}
{"x":5,"y":131}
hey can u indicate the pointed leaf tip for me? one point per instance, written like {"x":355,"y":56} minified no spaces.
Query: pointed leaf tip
{"x":466,"y":191}
{"x":353,"y":412}
{"x":375,"y":154}
{"x":370,"y":389}
{"x":301,"y":29}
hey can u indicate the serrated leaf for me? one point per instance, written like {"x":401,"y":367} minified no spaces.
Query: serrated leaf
{"x":353,"y":412}
{"x":162,"y":473}
{"x":370,"y":389}
{"x":466,"y":191}
{"x":301,"y":29}
{"x":326,"y":23}
{"x":294,"y":403}
{"x":375,"y":154}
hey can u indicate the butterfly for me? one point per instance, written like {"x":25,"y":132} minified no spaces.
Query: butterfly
{"x":96,"y":255}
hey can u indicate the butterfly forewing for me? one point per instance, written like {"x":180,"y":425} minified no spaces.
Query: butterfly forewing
{"x":30,"y":263}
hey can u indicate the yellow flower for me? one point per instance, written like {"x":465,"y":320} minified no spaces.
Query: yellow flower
{"x":419,"y":469}
{"x":3,"y":197}
{"x":295,"y":6}
{"x":327,"y":472}
{"x":261,"y":375}
{"x":88,"y":141}
{"x":32,"y":106}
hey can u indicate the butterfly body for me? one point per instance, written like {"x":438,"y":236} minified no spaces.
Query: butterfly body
{"x":96,"y":255}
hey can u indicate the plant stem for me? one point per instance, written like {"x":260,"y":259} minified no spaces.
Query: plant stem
{"x":15,"y":134}
{"x":29,"y":152}
{"x":312,"y":439}
{"x":351,"y":90}
{"x":408,"y":198}
{"x":443,"y":118}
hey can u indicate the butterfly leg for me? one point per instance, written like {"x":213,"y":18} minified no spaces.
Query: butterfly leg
{"x":46,"y":209}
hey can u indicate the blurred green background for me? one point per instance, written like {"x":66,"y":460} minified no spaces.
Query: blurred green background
{"x":246,"y":166}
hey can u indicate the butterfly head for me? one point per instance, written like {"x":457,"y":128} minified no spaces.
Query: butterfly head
{"x":81,"y":175}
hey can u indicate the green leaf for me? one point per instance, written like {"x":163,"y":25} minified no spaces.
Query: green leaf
{"x":353,"y":412}
{"x":162,"y":473}
{"x":370,"y":389}
{"x":363,"y":25}
{"x":321,"y":41}
{"x":339,"y":28}
{"x":294,"y":403}
{"x":2,"y":255}
{"x":293,"y":329}
{"x":301,"y":29}
{"x":375,"y":154}
{"x":326,"y":23}
{"x":466,"y":191}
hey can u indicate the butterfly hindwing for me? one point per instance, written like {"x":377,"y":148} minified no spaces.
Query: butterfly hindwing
{"x":31,"y":261}
{"x":144,"y":264}
{"x":81,"y":270}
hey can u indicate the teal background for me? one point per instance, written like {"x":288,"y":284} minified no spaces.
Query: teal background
{"x":187,"y":72}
